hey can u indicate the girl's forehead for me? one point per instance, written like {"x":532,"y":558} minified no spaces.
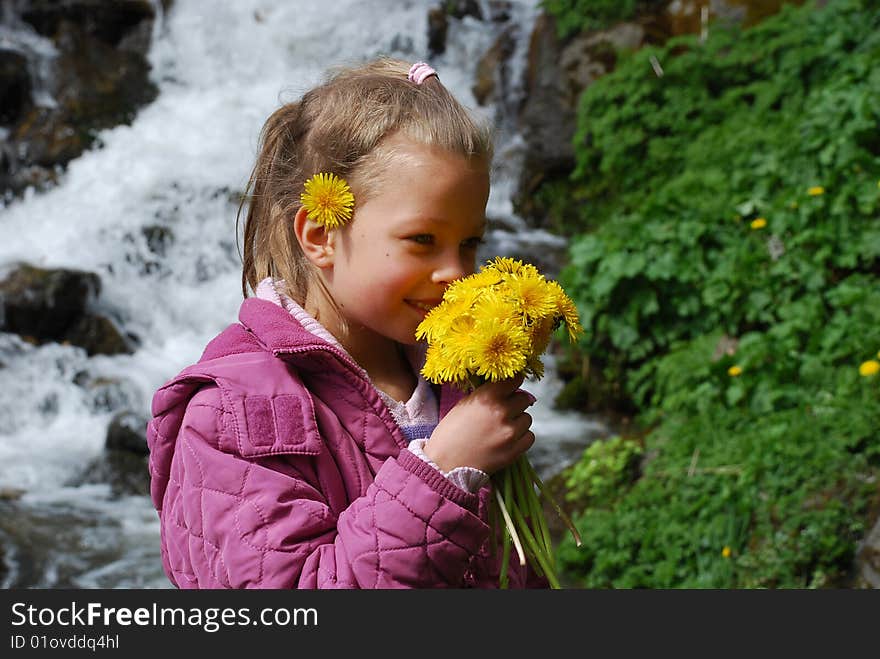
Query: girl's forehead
{"x":402,"y":152}
{"x":415,"y":174}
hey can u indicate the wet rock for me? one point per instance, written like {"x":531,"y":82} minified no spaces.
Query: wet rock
{"x":69,"y":545}
{"x":438,"y":26}
{"x":15,"y":87}
{"x":128,"y":432}
{"x":99,"y":336}
{"x":100,"y":85}
{"x":557,"y":73}
{"x":118,"y":23}
{"x":47,"y":139}
{"x":492,"y":66}
{"x":104,"y":394}
{"x":867,"y":563}
{"x":44,"y":305}
{"x":461,"y":8}
{"x":438,"y":21}
{"x":500,"y":10}
{"x":547,"y":116}
{"x":124,"y":464}
{"x":159,"y":238}
{"x":96,"y":77}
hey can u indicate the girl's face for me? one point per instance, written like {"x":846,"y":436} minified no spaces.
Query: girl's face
{"x":417,"y":232}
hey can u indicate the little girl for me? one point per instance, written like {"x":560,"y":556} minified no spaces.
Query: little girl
{"x":304,"y":450}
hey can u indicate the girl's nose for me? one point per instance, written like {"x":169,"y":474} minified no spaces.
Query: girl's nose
{"x":451,"y":267}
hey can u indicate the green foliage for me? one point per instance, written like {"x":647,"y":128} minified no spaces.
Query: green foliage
{"x":574,"y":16}
{"x":603,"y":469}
{"x":676,"y":285}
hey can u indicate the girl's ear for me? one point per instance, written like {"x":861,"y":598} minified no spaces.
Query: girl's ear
{"x":314,"y":239}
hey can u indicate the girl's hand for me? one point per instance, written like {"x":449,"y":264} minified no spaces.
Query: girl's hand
{"x":487,"y":429}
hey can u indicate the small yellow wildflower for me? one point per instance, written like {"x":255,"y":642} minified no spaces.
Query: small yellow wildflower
{"x":734,"y":371}
{"x":869,"y":368}
{"x":726,"y":552}
{"x":816,"y":190}
{"x":328,"y":200}
{"x":758,"y":223}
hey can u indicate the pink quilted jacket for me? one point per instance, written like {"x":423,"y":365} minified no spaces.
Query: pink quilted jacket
{"x":275,"y":464}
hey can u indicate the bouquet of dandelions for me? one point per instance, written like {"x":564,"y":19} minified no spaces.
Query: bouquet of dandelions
{"x":492,"y":326}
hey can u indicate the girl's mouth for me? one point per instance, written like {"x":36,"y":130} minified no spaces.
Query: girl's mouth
{"x":423,"y":306}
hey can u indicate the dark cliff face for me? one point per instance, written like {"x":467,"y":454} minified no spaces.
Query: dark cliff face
{"x":559,"y":69}
{"x":68,"y":69}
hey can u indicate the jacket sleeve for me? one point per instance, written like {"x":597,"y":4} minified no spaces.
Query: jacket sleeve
{"x":285,"y":521}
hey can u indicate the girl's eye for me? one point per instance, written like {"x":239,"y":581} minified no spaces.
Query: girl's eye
{"x":473,"y":243}
{"x":422,"y":239}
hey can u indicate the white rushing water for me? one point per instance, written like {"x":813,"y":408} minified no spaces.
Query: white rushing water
{"x":221,"y":68}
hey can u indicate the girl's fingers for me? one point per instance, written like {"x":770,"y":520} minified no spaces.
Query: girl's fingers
{"x":520,"y":401}
{"x":521,"y":424}
{"x":511,"y":385}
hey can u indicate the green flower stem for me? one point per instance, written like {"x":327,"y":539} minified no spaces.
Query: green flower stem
{"x":519,"y":509}
{"x":536,"y":512}
{"x":525,"y":493}
{"x":505,"y":552}
{"x":537,"y":551}
{"x":508,"y":494}
{"x":546,"y":493}
{"x":493,"y":530}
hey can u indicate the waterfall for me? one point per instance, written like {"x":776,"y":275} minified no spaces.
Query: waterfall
{"x":177,"y":170}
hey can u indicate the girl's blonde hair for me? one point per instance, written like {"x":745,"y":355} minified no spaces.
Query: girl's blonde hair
{"x":339,"y":127}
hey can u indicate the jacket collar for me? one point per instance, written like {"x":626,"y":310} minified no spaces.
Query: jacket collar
{"x":281,"y":333}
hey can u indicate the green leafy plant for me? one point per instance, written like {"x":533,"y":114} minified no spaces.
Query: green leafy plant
{"x":605,"y":467}
{"x":574,"y":16}
{"x":726,"y":265}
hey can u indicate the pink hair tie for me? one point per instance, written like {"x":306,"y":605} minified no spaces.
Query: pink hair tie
{"x":419,"y":72}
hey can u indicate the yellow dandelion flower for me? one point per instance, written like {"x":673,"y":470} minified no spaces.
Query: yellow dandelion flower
{"x":494,"y":306}
{"x":540,"y":334}
{"x":457,"y":350}
{"x":869,"y":368}
{"x":440,"y":368}
{"x":535,"y":297}
{"x":500,"y":351}
{"x":816,"y":190}
{"x":495,"y":324}
{"x":485,"y":278}
{"x":758,"y":223}
{"x":328,"y":200}
{"x":507,"y":265}
{"x":434,"y":324}
{"x":534,"y":366}
{"x":566,"y":310}
{"x":726,"y":552}
{"x":734,"y":371}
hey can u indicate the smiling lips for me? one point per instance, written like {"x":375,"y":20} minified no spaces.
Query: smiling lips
{"x":424,"y":306}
